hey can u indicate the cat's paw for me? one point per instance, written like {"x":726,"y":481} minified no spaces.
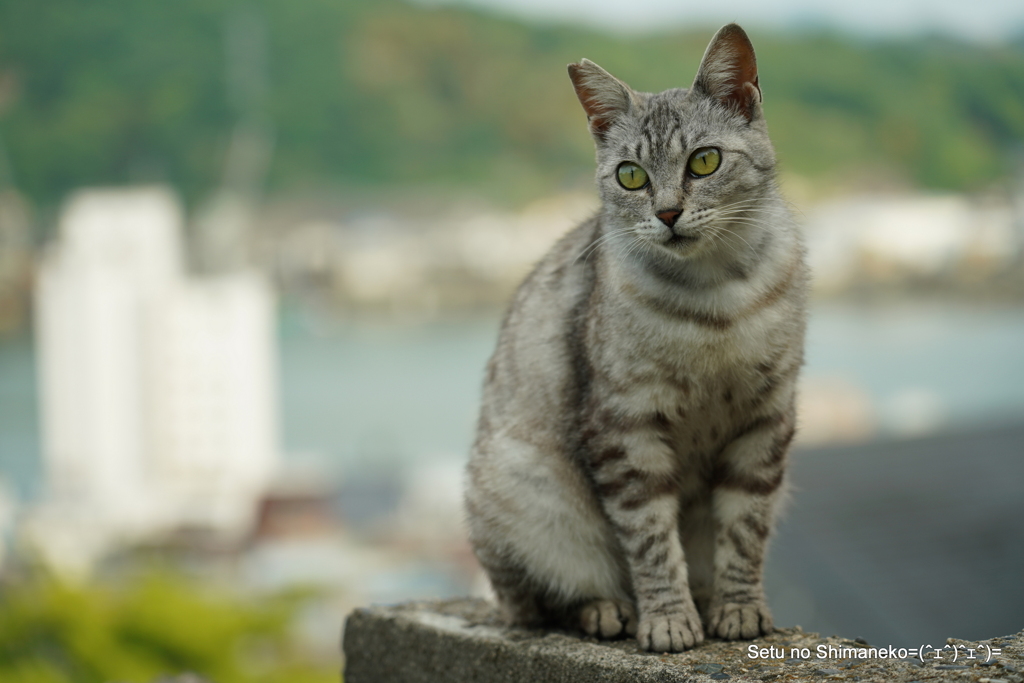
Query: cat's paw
{"x":608,"y":618}
{"x":670,"y":632}
{"x":732,"y":621}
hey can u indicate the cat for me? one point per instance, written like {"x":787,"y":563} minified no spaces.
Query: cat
{"x":639,"y":406}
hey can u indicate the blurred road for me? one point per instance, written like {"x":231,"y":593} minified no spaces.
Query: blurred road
{"x":905,"y":543}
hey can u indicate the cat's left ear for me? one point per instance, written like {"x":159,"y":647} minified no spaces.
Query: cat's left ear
{"x":728,"y":72}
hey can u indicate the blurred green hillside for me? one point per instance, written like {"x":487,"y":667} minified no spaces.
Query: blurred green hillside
{"x":373,"y":94}
{"x":156,"y":624}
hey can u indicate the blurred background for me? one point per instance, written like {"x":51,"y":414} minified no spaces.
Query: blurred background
{"x":253,"y":257}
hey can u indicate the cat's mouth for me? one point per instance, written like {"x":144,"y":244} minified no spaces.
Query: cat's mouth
{"x":677,"y":240}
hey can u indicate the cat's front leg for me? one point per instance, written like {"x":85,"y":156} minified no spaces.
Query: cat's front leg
{"x":638,"y":489}
{"x":748,"y":483}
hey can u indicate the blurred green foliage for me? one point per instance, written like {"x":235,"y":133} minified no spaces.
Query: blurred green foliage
{"x":369,"y":94}
{"x":157,"y":624}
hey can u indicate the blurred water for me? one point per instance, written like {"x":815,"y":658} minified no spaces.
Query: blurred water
{"x":965,"y":360}
{"x":19,"y":418}
{"x":379,"y":396}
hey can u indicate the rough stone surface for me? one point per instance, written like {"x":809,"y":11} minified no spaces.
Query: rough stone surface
{"x":463,"y":641}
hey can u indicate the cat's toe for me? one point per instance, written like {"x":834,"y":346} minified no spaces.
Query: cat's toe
{"x":670,"y":633}
{"x":733,"y":621}
{"x":608,"y":618}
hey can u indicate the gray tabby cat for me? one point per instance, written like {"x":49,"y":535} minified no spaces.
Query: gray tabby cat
{"x":638,"y":409}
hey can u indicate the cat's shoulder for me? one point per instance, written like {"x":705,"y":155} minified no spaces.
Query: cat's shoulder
{"x":567,"y":260}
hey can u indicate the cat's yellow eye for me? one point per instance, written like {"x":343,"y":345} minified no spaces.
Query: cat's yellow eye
{"x":631,"y":176}
{"x":704,"y":161}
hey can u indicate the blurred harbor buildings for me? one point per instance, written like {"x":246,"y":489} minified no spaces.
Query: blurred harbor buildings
{"x":416,"y":262}
{"x":158,"y":389}
{"x":893,"y":239}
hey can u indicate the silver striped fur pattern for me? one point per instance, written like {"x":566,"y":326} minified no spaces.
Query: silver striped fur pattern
{"x":639,"y":407}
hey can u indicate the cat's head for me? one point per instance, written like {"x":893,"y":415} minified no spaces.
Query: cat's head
{"x":685,"y":171}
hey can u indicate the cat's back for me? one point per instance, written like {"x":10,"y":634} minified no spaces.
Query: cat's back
{"x":530,"y":375}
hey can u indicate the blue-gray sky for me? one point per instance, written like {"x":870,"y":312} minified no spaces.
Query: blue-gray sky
{"x":972,"y":19}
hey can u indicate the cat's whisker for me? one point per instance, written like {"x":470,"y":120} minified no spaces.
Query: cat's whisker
{"x":598,"y":242}
{"x":638,"y":246}
{"x":752,"y":204}
{"x":742,"y":217}
{"x":761,"y":205}
{"x":753,"y":221}
{"x":758,"y":203}
{"x":585,"y":254}
{"x":723,"y":229}
{"x":749,"y":222}
{"x":726,"y":215}
{"x":749,"y":211}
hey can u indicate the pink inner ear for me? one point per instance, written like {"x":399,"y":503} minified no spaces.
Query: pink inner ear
{"x":735,"y":55}
{"x":746,"y":70}
{"x":597,"y":115}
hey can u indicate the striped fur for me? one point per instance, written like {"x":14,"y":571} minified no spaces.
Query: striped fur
{"x":639,"y":406}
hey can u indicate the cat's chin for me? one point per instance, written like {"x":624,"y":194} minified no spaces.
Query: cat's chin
{"x":681,"y":246}
{"x":676,"y":241}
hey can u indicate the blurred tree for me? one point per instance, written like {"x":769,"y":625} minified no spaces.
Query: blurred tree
{"x":157,"y":624}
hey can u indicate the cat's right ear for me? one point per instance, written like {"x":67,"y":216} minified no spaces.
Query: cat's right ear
{"x":604,"y":97}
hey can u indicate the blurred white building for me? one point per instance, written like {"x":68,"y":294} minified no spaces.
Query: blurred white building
{"x":158,"y":389}
{"x":891,"y":237}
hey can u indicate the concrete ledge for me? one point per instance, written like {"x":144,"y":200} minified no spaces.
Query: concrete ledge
{"x":463,"y":641}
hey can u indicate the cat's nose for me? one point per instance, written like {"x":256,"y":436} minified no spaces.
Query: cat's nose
{"x":669,"y":216}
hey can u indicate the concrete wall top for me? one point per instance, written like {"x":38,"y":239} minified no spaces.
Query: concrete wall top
{"x":463,"y":641}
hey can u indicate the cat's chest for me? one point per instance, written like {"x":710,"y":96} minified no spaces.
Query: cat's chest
{"x":699,"y":374}
{"x":706,"y":352}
